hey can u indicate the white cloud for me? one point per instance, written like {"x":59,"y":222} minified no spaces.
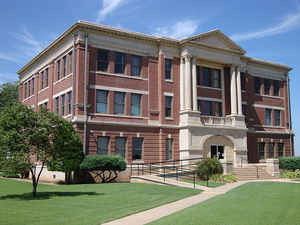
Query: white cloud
{"x":107,"y":7}
{"x":178,"y":30}
{"x":289,"y":22}
{"x":7,"y":57}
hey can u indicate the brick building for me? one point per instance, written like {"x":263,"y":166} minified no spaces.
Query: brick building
{"x":153,"y":98}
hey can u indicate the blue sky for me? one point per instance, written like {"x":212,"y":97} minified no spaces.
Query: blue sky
{"x":267,"y":29}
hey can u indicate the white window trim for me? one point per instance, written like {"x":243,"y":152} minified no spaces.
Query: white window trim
{"x":44,"y":101}
{"x":99,"y":72}
{"x":63,"y":78}
{"x":268,"y":107}
{"x":212,"y":88}
{"x":119,"y":116}
{"x":44,"y":89}
{"x":126,"y":90}
{"x":169,"y":94}
{"x":62,"y":92}
{"x":210,"y":99}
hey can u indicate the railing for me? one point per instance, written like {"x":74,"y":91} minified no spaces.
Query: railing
{"x":183,"y":169}
{"x":214,"y":120}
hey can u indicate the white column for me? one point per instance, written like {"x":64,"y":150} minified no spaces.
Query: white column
{"x":239,"y":91}
{"x":188,"y":83}
{"x":233,"y":91}
{"x":194,"y":75}
{"x":182,"y":84}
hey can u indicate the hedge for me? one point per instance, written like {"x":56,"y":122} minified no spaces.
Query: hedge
{"x":289,"y":163}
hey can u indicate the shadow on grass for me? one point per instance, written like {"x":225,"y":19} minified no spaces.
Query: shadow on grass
{"x":47,"y":195}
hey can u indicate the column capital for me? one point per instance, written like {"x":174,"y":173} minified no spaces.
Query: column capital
{"x":187,"y":57}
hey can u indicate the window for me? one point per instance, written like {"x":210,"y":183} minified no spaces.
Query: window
{"x":101,"y":101}
{"x":207,"y":108}
{"x":120,"y":146}
{"x":217,"y":151}
{"x":32,"y":85}
{"x":57,"y":105}
{"x":268,"y":116}
{"x":64,"y":65}
{"x":120,"y":62}
{"x":169,"y":149}
{"x":277,"y":117}
{"x":276,"y":87}
{"x":266,"y":87}
{"x":244,"y":109}
{"x":257,"y":85}
{"x":102,"y":60}
{"x":25,"y":90}
{"x":137,"y":148}
{"x":280,"y":149}
{"x":119,"y":102}
{"x":136,"y":65}
{"x":29,"y":88}
{"x":46,"y":105}
{"x":168,"y":69}
{"x":47,"y":77}
{"x":243,"y":81}
{"x":218,"y":109}
{"x":198,"y":75}
{"x":69,"y":102}
{"x":206,"y":77}
{"x":135,"y":104}
{"x":199,"y":105}
{"x":70,"y":62}
{"x":63,"y":98}
{"x":271,"y":150}
{"x":216,"y":78}
{"x":168,"y":108}
{"x":42,"y":80}
{"x":261,"y":150}
{"x":102,"y":145}
{"x":58,"y":70}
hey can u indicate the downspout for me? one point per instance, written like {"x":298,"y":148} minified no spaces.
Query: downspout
{"x":73,"y":77}
{"x":85,"y":93}
{"x":289,"y":108}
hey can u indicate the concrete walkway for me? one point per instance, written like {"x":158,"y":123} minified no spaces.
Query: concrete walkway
{"x":165,"y":210}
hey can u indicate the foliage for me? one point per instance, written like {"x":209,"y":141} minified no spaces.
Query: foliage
{"x":14,"y":168}
{"x":289,"y":163}
{"x":223,"y":178}
{"x":106,"y":167}
{"x":290,"y":174}
{"x":8,"y":94}
{"x":207,"y":167}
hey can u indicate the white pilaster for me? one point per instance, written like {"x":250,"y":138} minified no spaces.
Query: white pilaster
{"x":233,"y":91}
{"x":239,"y":92}
{"x":188,"y":83}
{"x":194,"y":75}
{"x":182,"y":84}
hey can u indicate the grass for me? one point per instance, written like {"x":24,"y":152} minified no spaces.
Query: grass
{"x":86,"y":204}
{"x":203,"y":183}
{"x":251,"y":204}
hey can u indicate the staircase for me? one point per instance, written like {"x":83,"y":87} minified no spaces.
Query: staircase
{"x":251,"y":173}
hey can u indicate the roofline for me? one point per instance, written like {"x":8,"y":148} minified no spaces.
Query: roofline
{"x":86,"y":25}
{"x":265,"y":62}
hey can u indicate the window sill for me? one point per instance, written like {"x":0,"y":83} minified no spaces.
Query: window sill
{"x":269,"y":126}
{"x":63,"y":78}
{"x":28,"y":98}
{"x":137,"y":161}
{"x":169,"y":118}
{"x":212,"y":88}
{"x":67,"y":116}
{"x":270,"y":96}
{"x":44,"y":89}
{"x":118,"y":116}
{"x":169,"y":81}
{"x":119,"y":75}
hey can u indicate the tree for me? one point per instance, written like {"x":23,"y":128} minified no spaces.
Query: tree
{"x":106,"y":167}
{"x":8,"y":94}
{"x":26,"y":138}
{"x":208,"y":167}
{"x":67,"y":146}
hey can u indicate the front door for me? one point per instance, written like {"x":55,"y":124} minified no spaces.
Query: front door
{"x":217,"y":151}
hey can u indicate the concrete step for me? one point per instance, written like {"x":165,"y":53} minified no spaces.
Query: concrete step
{"x":251,"y":173}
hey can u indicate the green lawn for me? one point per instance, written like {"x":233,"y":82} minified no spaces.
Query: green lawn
{"x":203,"y":183}
{"x":251,"y":204}
{"x":80,"y":204}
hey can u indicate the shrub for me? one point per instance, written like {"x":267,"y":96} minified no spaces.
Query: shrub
{"x":106,"y":167}
{"x":290,"y":174}
{"x":208,"y":167}
{"x":223,"y":178}
{"x":289,"y":163}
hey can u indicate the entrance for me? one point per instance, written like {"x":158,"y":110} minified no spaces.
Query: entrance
{"x":217,"y":151}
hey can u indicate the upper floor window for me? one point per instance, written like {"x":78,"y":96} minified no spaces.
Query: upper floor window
{"x":280,"y":149}
{"x":47,"y":78}
{"x":32,"y":85}
{"x":101,"y":101}
{"x":29,"y":88}
{"x":25,"y":90}
{"x":199,"y":105}
{"x":63,"y":101}
{"x":276,"y":87}
{"x":58,"y":70}
{"x":268,"y":116}
{"x":243,"y":81}
{"x":102,"y":145}
{"x":207,"y":108}
{"x":198,"y":75}
{"x":266,"y":87}
{"x":277,"y":117}
{"x":261,"y":150}
{"x":271,"y":150}
{"x":257,"y":85}
{"x":120,"y":62}
{"x":119,"y":102}
{"x":102,"y":60}
{"x":70,"y":62}
{"x":42,"y":80}
{"x":206,"y":77}
{"x":216,"y":78}
{"x":168,"y":109}
{"x":57,"y":105}
{"x":169,"y":148}
{"x":136,"y":65}
{"x":120,"y":146}
{"x":64,"y":65}
{"x":168,"y":69}
{"x":135,"y":104}
{"x":218,"y":108}
{"x":69,"y":102}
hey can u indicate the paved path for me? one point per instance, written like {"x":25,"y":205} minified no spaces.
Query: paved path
{"x":165,"y":210}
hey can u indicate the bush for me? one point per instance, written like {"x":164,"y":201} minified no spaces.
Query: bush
{"x":223,"y":178}
{"x":106,"y":167}
{"x":9,"y":174}
{"x":289,"y":163}
{"x":208,"y":167}
{"x":290,"y":174}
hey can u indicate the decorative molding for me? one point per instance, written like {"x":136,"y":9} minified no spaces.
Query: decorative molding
{"x":107,"y":88}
